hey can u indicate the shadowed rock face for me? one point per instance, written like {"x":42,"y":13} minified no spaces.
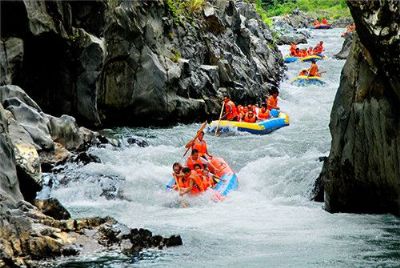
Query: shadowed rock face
{"x":362,"y":173}
{"x":136,"y":62}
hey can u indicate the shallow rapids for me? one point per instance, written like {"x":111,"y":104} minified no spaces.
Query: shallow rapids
{"x":268,"y":222}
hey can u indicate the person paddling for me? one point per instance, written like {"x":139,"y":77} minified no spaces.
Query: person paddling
{"x":313,"y":70}
{"x":200,"y":145}
{"x":231,"y":113}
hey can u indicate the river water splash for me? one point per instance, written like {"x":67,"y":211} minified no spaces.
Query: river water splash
{"x":268,"y":222}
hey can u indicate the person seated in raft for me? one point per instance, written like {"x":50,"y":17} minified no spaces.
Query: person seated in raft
{"x":200,"y":145}
{"x":292,"y":49}
{"x":319,"y":48}
{"x":250,"y":117}
{"x":263,"y":114}
{"x":244,"y":112}
{"x":195,"y":158}
{"x":272,"y":101}
{"x":206,"y":175}
{"x":313,"y":70}
{"x":177,"y":174}
{"x":310,"y":51}
{"x":303,"y":72}
{"x":194,"y":183}
{"x":316,"y":22}
{"x":231,"y":113}
{"x":324,"y":21}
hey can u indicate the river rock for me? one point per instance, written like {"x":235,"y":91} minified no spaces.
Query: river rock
{"x":344,"y":52}
{"x":362,"y":173}
{"x":53,"y":208}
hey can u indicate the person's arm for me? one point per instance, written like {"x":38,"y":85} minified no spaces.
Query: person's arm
{"x":186,"y":190}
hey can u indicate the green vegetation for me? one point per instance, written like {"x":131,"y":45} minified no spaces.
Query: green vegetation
{"x":185,"y":7}
{"x":176,"y":56}
{"x":331,"y":9}
{"x":263,"y":14}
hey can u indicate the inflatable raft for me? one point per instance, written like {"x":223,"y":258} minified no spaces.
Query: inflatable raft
{"x":260,"y":128}
{"x":290,"y":59}
{"x":323,"y":26}
{"x":228,"y":180}
{"x":302,"y":81}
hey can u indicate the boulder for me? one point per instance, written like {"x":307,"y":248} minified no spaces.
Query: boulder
{"x":33,"y":121}
{"x":344,"y":52}
{"x":11,"y":58}
{"x":53,"y":208}
{"x":362,"y":172}
{"x":9,"y":187}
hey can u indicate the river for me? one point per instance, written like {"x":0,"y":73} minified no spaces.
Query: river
{"x":268,"y":222}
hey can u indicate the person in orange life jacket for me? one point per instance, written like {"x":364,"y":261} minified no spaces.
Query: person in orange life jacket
{"x":303,"y":72}
{"x":293,"y":49}
{"x":250,"y":117}
{"x":178,"y":175}
{"x":324,"y":21}
{"x":319,"y":48}
{"x":263,"y":113}
{"x":313,"y":70}
{"x":244,"y":112}
{"x":195,"y":185}
{"x":206,"y":180}
{"x":231,"y":113}
{"x":272,"y":101}
{"x":199,"y":144}
{"x":316,"y":22}
{"x":194,"y":158}
{"x":310,"y":51}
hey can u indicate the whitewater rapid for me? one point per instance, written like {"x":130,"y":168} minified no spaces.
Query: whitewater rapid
{"x":268,"y":222}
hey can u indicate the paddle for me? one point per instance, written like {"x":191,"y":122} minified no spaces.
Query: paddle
{"x":220,"y":116}
{"x":197,"y":135}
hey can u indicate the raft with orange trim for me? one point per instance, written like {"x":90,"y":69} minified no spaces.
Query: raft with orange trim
{"x":290,"y":59}
{"x":281,"y":119}
{"x":303,"y":81}
{"x":323,"y":26}
{"x":228,"y":179}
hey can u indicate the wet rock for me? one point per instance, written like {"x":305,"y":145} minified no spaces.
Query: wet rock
{"x":13,"y":91}
{"x":346,"y":47}
{"x":85,"y":158}
{"x":362,"y":172}
{"x":53,"y":208}
{"x":139,"y":66}
{"x":11,"y":57}
{"x":136,"y":141}
{"x":342,"y":22}
{"x":34,"y":122}
{"x":9,"y":188}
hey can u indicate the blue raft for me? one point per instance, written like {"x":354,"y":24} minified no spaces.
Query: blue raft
{"x":260,"y":128}
{"x":228,"y":183}
{"x":303,"y":81}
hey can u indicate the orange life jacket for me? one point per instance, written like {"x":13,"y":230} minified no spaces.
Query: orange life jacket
{"x":221,"y":167}
{"x":303,"y":72}
{"x":191,"y":162}
{"x":198,"y":185}
{"x":230,"y":110}
{"x":313,"y":71}
{"x":272,"y":103}
{"x":324,"y":21}
{"x":249,"y":119}
{"x":263,"y":116}
{"x":200,"y":146}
